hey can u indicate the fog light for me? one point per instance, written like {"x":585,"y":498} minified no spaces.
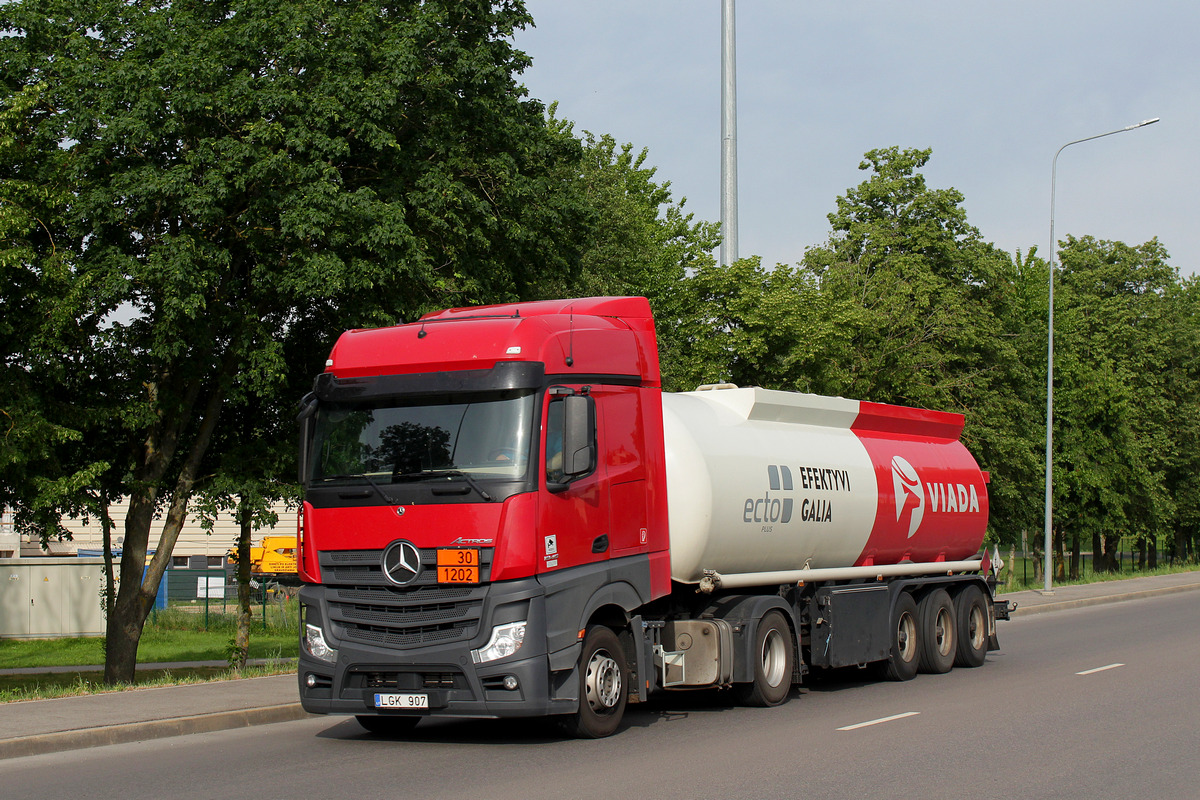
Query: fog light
{"x":310,"y":680}
{"x":510,"y":682}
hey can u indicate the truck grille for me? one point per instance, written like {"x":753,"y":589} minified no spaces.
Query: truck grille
{"x":365,"y":607}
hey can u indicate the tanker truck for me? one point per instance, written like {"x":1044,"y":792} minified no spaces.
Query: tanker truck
{"x":505,"y":516}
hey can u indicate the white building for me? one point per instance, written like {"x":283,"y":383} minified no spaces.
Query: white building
{"x":193,"y":540}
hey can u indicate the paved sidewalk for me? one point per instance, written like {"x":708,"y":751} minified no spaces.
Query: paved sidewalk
{"x":1090,"y":594}
{"x":69,"y":723}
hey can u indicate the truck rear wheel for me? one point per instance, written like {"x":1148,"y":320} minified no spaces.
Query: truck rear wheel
{"x":773,"y":651}
{"x":603,"y":686}
{"x":938,"y":632}
{"x":905,"y":656}
{"x":971,"y":611}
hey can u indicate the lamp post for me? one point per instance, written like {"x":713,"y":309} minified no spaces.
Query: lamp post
{"x":1050,"y":350}
{"x":729,"y":182}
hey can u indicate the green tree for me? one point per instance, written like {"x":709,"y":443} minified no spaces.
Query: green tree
{"x":1112,"y":409}
{"x":246,"y":179}
{"x":1181,"y":384}
{"x":931,"y":315}
{"x":752,"y":326}
{"x":47,"y":465}
{"x":639,"y":240}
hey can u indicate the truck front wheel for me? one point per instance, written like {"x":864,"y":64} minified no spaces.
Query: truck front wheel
{"x":603,"y":685}
{"x":773,"y":653}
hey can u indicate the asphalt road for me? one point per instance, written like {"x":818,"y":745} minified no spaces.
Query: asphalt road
{"x":1099,"y":702}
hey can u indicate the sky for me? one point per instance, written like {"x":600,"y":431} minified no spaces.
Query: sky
{"x":993,"y":88}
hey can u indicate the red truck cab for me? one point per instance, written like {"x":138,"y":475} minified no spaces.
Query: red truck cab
{"x":463,"y":521}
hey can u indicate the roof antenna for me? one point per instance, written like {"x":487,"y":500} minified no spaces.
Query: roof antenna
{"x":571,"y":340}
{"x":421,"y":334}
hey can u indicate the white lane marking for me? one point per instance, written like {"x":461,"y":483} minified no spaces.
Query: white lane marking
{"x":1099,"y":669}
{"x":880,"y":721}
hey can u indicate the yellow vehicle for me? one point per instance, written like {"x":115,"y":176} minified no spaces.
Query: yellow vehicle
{"x":275,"y":556}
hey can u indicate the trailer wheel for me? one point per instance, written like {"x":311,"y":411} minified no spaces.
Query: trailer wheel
{"x":971,"y":611}
{"x":603,"y":682}
{"x":773,"y":651}
{"x":905,"y":657}
{"x":938,"y":632}
{"x":386,"y":725}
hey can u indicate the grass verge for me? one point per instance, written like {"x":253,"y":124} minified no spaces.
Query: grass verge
{"x":156,"y":646}
{"x":14,"y":688}
{"x":170,"y":636}
{"x":1023,"y":578}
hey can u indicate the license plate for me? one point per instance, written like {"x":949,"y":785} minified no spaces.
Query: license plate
{"x":458,"y":565}
{"x":401,"y":700}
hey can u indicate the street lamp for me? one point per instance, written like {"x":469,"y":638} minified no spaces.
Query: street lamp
{"x":1050,"y":347}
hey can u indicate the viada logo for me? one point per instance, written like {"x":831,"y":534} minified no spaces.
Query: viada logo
{"x":910,"y":494}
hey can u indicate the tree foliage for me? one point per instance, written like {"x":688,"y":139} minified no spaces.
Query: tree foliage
{"x":906,"y":303}
{"x":224,"y":186}
{"x":1112,"y":410}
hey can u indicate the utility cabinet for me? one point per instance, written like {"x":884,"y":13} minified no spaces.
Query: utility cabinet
{"x":48,"y":597}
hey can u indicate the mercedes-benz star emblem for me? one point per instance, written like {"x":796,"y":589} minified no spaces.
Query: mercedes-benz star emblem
{"x":401,"y":563}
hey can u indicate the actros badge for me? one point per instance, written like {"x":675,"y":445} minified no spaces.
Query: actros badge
{"x":401,"y":563}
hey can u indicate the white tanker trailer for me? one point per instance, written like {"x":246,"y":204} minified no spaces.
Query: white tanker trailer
{"x":767,"y":487}
{"x":505,"y":516}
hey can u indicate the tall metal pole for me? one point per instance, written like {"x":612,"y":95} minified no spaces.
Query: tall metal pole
{"x":729,"y":214}
{"x":1048,"y":588}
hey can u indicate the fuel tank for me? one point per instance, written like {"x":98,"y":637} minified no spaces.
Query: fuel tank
{"x":761,"y":481}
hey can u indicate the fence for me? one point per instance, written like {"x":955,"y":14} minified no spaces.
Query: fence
{"x":211,"y":594}
{"x":1028,"y":563}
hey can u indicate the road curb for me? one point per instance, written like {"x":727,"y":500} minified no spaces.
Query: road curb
{"x":1082,"y":602}
{"x":149,"y":729}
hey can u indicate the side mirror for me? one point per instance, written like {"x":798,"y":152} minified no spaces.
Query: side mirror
{"x":579,"y":435}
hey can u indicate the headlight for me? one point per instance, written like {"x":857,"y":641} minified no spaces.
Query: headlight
{"x":314,"y":640}
{"x":506,"y":640}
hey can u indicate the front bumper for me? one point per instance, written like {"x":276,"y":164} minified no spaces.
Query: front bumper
{"x":446,"y":674}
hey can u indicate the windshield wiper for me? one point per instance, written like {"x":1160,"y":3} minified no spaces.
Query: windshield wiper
{"x":446,"y":473}
{"x":378,"y":489}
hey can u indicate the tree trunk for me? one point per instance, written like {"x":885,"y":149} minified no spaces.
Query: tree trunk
{"x":1098,"y":563}
{"x":123,"y":629}
{"x":1012,"y":568}
{"x":1060,"y":562}
{"x":139,"y":580}
{"x":1112,"y":544}
{"x":110,"y":593}
{"x":1038,"y":559}
{"x":241,"y":642}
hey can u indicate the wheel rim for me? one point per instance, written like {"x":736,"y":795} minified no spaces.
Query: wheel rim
{"x":774,"y":657}
{"x":603,"y":682}
{"x":943,"y":637}
{"x":975,"y":627}
{"x":906,"y":637}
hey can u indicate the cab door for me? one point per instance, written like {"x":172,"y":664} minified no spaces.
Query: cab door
{"x":573,"y":525}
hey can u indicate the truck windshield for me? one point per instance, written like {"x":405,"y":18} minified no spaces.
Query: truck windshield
{"x":391,"y":440}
